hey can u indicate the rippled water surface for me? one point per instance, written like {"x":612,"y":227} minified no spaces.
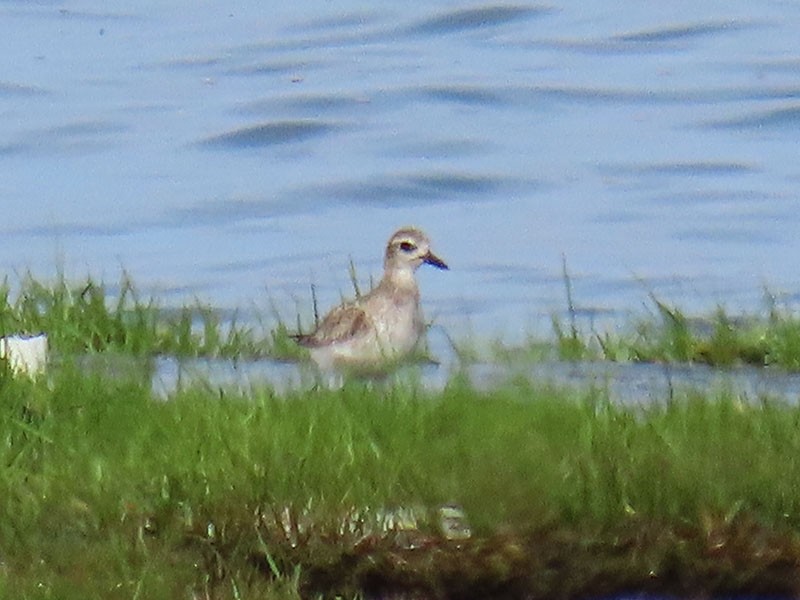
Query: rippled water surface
{"x":239,"y":153}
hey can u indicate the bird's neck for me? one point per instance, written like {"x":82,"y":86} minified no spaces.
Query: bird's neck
{"x":400,"y":278}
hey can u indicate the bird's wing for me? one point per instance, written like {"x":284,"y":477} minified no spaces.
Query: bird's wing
{"x":342,"y":323}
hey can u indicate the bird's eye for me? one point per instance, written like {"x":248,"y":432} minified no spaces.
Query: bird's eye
{"x":407,"y":247}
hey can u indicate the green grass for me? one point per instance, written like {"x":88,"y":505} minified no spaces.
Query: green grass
{"x":668,"y":335}
{"x":115,"y":494}
{"x":88,"y":317}
{"x":109,"y":492}
{"x":92,"y":317}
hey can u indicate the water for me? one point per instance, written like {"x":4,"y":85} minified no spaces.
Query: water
{"x":632,"y":385}
{"x":237,"y":154}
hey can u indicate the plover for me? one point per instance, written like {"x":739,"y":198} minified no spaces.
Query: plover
{"x":384,"y":326}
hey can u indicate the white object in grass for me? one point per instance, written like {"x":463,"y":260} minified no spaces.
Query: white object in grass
{"x":25,"y":354}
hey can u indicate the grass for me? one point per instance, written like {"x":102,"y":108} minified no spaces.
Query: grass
{"x":93,"y":317}
{"x":90,"y":317}
{"x":667,"y":335}
{"x":110,"y":492}
{"x":114,"y":494}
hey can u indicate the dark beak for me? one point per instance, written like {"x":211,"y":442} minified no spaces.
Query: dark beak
{"x":431,"y":259}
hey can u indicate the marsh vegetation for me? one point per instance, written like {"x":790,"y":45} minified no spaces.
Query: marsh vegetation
{"x":522,"y":490}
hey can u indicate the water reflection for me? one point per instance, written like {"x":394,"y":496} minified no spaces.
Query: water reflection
{"x":778,"y":119}
{"x":682,"y":32}
{"x":473,"y":18}
{"x":268,"y":134}
{"x":18,"y":90}
{"x":635,"y":385}
{"x":70,"y":138}
{"x":422,"y":188}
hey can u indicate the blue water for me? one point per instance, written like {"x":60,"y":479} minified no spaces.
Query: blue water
{"x":236,"y":154}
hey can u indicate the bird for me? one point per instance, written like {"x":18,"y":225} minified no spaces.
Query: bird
{"x":373,"y":332}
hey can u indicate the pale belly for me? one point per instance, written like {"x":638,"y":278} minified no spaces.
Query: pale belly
{"x":390,"y":338}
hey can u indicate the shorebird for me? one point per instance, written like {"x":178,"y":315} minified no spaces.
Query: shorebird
{"x":384,"y":326}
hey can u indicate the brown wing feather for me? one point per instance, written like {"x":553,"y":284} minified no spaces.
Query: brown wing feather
{"x":340,"y":324}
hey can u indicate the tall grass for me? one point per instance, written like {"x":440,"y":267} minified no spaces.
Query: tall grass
{"x":667,"y":334}
{"x":91,"y":317}
{"x":111,"y":493}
